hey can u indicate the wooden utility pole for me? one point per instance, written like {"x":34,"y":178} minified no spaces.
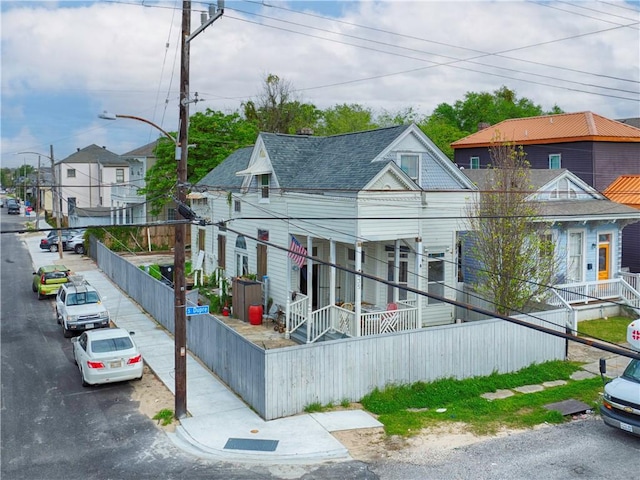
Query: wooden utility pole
{"x":55,"y":192}
{"x":180,"y":314}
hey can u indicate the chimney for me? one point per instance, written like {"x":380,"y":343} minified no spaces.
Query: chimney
{"x":305,"y":131}
{"x":483,"y":125}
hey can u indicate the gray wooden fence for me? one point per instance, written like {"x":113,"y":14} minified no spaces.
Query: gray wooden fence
{"x":282,"y":382}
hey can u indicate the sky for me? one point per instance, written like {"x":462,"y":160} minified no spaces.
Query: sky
{"x":63,"y":63}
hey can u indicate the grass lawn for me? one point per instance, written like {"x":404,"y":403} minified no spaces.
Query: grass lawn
{"x":611,"y":329}
{"x":405,"y":410}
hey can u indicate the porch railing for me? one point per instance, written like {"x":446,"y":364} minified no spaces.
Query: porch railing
{"x":572,"y":315}
{"x":633,"y":279}
{"x":297,"y":312}
{"x":586,"y":292}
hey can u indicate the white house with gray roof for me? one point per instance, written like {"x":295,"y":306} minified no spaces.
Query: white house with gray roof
{"x":85,"y":178}
{"x":385,"y":202}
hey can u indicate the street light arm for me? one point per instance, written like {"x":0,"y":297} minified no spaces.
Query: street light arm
{"x":110,"y":116}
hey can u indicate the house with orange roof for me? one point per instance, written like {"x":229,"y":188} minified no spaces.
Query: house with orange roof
{"x":595,"y":148}
{"x":626,"y":190}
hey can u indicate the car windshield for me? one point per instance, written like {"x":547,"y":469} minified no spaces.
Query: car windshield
{"x":632,"y":372}
{"x":82,"y":298}
{"x":111,"y":345}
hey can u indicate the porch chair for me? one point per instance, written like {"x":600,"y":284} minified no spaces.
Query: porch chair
{"x":389,"y":319}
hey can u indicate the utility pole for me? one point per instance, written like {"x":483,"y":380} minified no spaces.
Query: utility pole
{"x":179,"y":288}
{"x":56,"y":201}
{"x":180,"y":314}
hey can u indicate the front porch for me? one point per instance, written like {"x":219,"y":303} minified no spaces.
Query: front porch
{"x":348,"y":320}
{"x":596,"y":299}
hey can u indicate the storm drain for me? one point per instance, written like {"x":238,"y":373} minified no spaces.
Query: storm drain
{"x":251,"y":444}
{"x":568,"y":407}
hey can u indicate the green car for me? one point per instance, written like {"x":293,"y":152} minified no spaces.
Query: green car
{"x":47,"y":280}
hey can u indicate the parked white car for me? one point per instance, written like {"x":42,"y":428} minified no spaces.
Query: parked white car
{"x":79,"y":307}
{"x":107,"y":355}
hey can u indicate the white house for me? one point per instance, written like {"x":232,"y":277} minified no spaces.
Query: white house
{"x":385,"y":202}
{"x":85,"y":178}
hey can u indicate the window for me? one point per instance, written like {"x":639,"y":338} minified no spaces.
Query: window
{"x":242,"y":258}
{"x":554,"y":161}
{"x":351,"y":255}
{"x":222,"y":251}
{"x":474,"y":163}
{"x":71,"y":173}
{"x":171,"y":214}
{"x":409,"y":165}
{"x":236,"y":206}
{"x":119,"y":175}
{"x":264,"y":185}
{"x":403,"y":275}
{"x":435,"y":276}
{"x":201,"y":236}
{"x":574,"y":259}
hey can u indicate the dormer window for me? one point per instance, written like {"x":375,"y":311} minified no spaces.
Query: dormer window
{"x":264,"y":184}
{"x":409,"y":163}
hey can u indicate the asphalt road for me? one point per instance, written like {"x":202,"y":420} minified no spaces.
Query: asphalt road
{"x":53,"y":428}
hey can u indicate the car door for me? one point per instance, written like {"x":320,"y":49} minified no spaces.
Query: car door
{"x":80,"y":350}
{"x":60,"y":297}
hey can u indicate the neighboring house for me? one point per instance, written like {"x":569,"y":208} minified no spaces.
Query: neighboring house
{"x":85,"y":178}
{"x":593,"y":147}
{"x":587,"y":231}
{"x":385,"y":202}
{"x":626,"y":190}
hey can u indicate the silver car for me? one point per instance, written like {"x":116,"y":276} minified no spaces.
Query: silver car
{"x":107,"y":355}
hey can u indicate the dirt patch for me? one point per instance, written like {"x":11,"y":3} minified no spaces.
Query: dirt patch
{"x":153,"y":396}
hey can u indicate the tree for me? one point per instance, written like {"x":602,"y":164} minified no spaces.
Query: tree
{"x":403,"y":116}
{"x":215,"y":136}
{"x":509,"y":241}
{"x":442,"y":133}
{"x":345,"y":119}
{"x":480,"y":107}
{"x":277,"y":111}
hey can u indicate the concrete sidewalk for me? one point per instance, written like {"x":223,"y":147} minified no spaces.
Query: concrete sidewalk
{"x":220,"y":425}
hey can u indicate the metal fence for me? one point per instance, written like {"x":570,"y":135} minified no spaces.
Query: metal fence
{"x":282,"y":382}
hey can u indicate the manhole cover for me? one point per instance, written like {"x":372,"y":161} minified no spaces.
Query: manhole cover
{"x":568,"y":407}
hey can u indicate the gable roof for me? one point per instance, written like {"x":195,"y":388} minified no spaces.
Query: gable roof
{"x":596,"y":207}
{"x":95,"y":154}
{"x":546,"y":129}
{"x":339,"y":160}
{"x":625,"y":189}
{"x":224,"y":175}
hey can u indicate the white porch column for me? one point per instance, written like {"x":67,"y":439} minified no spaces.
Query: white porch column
{"x":309,"y":287}
{"x":358,"y":283}
{"x":289,"y":271}
{"x":396,"y":269}
{"x":332,"y":279}
{"x":419,"y":282}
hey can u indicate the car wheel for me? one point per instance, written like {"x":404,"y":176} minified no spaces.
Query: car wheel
{"x":33,"y":287}
{"x":40,"y":296}
{"x":66,"y":333}
{"x":53,"y":248}
{"x":79,"y":249}
{"x":84,"y":382}
{"x":57,"y":317}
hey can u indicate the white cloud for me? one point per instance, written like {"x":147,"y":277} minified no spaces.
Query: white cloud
{"x":62,"y":64}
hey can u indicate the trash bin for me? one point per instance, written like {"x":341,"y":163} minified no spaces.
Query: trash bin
{"x":255,"y":314}
{"x":167,"y":273}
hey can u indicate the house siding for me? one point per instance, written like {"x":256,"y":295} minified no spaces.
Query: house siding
{"x":613,"y":160}
{"x":631,"y":247}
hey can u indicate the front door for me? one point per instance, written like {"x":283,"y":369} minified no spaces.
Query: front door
{"x":603,"y":261}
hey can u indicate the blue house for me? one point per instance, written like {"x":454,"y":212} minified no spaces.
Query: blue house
{"x":586,"y":229}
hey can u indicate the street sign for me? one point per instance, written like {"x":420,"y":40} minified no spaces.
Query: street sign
{"x":202,"y":310}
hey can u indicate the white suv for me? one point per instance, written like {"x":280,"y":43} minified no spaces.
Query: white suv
{"x":79,"y":307}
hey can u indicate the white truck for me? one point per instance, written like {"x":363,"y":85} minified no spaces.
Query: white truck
{"x":621,"y":400}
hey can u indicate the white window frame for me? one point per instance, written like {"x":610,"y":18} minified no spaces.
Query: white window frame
{"x":553,"y":157}
{"x":575,"y":257}
{"x":264,"y":181}
{"x":242,"y":257}
{"x":474,"y":163}
{"x":405,"y":157}
{"x":436,"y":286}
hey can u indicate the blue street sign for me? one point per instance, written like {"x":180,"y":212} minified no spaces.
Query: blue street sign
{"x":202,"y":310}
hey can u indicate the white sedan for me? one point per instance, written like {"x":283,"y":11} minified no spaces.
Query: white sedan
{"x":106,"y":355}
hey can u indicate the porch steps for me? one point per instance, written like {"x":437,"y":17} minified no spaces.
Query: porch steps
{"x":300,"y":335}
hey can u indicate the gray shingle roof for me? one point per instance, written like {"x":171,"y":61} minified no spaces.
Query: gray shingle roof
{"x":143,"y":151}
{"x":538,"y":176}
{"x":300,"y":161}
{"x":94,"y":154}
